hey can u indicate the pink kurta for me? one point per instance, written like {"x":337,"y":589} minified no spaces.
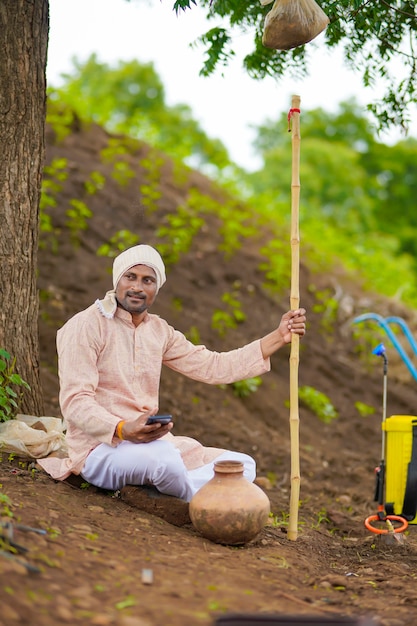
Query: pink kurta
{"x":110,"y":370}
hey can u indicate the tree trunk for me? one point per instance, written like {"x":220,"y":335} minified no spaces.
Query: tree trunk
{"x":24,"y":28}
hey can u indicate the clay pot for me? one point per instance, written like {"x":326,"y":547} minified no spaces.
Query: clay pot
{"x":229,"y":509}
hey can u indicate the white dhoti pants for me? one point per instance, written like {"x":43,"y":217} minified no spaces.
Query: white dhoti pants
{"x":157,"y":463}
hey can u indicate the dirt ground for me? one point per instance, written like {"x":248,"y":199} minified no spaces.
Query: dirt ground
{"x":92,"y":557}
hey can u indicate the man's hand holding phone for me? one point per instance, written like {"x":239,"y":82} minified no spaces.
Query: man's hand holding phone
{"x":147,"y":427}
{"x":159,"y":419}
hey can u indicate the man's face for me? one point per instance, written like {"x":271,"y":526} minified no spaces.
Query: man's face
{"x":137,"y":288}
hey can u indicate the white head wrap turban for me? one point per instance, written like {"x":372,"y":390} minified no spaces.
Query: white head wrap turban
{"x":138,"y":255}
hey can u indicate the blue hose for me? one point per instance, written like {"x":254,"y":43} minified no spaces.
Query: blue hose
{"x":385,"y":324}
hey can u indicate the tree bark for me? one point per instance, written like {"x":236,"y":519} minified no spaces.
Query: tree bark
{"x":24,"y":26}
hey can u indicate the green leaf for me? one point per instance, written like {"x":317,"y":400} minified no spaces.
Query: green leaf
{"x":9,"y":379}
{"x":183,"y":5}
{"x":10,"y":391}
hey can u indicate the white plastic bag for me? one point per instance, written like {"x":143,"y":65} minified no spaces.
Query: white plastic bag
{"x":30,"y":436}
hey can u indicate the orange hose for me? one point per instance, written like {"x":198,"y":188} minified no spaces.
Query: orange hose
{"x":385,"y":531}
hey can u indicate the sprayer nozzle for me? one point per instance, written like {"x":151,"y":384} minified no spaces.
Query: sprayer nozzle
{"x":379,"y":350}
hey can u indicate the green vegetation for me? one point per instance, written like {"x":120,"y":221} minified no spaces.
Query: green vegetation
{"x":357,"y":202}
{"x":366,"y":336}
{"x":223,"y":320}
{"x":150,"y":192}
{"x":117,"y":154}
{"x":11,"y":387}
{"x":54,"y":176}
{"x":128,"y":602}
{"x":318,"y":403}
{"x":243,"y":388}
{"x":94,"y":183}
{"x":377,"y":40}
{"x":193,"y":335}
{"x":357,"y":208}
{"x":78,"y":215}
{"x":326,"y":306}
{"x":130,"y":99}
{"x":178,"y":233}
{"x":5,"y":506}
{"x":120,"y":241}
{"x":364,"y":409}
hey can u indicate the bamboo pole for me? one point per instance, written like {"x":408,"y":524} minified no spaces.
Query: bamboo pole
{"x":294,"y":120}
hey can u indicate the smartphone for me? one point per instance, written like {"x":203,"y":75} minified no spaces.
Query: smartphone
{"x":159,"y":419}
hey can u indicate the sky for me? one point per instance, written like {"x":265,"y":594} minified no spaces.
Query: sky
{"x":225,"y":104}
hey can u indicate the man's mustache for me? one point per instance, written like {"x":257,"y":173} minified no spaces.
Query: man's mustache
{"x":136,"y":295}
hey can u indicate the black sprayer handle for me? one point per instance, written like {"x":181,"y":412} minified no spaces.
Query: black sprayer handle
{"x":379,"y":484}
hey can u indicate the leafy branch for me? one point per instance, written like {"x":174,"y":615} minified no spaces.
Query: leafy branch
{"x":9,"y":380}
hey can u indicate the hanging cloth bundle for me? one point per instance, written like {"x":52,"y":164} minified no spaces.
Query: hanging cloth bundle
{"x":292,"y":23}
